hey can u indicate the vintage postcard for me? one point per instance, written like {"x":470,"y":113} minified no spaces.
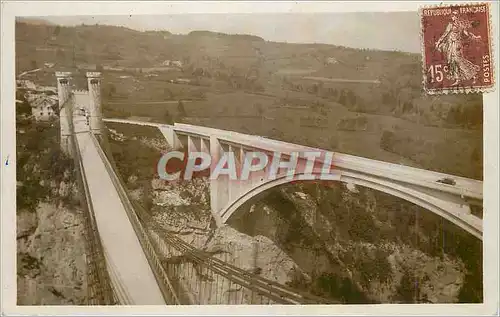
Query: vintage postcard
{"x":229,"y":158}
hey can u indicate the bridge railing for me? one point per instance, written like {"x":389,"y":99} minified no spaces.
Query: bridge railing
{"x":209,"y":279}
{"x":168,"y":290}
{"x":406,"y":174}
{"x":99,"y":289}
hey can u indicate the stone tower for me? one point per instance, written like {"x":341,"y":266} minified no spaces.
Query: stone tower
{"x":65,"y":109}
{"x":94,"y":85}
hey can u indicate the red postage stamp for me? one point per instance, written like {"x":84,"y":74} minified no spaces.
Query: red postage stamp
{"x":456,"y":48}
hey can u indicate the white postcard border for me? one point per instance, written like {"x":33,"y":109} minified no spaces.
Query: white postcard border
{"x":8,"y":160}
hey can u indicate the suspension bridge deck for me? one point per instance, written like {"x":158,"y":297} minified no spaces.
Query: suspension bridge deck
{"x":131,"y":275}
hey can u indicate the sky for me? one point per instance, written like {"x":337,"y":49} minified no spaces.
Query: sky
{"x":377,"y":30}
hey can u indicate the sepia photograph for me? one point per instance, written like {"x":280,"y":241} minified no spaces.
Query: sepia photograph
{"x":259,"y":158}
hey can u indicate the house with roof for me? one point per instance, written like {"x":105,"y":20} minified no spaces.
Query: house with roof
{"x":171,"y":63}
{"x":331,"y":61}
{"x":43,"y":108}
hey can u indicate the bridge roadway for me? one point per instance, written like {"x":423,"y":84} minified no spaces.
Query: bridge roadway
{"x":132,"y":278}
{"x":462,"y":186}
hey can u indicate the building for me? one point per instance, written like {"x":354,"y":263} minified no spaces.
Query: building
{"x":176,"y":64}
{"x":180,"y":81}
{"x":26,"y":84}
{"x":43,"y":108}
{"x":331,"y":61}
{"x":170,"y":63}
{"x":48,"y":90}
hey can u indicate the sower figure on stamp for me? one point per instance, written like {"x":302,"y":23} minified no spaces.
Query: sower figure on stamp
{"x":451,"y":44}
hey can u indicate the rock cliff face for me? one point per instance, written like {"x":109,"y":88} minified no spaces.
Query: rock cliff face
{"x":51,"y":266}
{"x":182,"y":208}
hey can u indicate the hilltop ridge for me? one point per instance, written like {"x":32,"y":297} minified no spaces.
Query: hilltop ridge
{"x":226,"y":35}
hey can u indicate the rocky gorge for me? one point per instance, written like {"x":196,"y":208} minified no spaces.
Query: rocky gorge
{"x":354,"y":245}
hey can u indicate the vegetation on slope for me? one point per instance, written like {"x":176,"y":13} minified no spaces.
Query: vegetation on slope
{"x":41,"y":165}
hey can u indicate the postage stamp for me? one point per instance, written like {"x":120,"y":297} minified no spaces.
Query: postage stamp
{"x":456,"y":48}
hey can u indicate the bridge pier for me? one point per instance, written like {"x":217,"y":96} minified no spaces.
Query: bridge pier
{"x":171,"y":137}
{"x":218,"y":187}
{"x":65,"y":110}
{"x":225,"y":190}
{"x":95,"y":108}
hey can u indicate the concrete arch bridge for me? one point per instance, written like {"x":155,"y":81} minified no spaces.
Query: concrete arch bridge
{"x":448,"y":196}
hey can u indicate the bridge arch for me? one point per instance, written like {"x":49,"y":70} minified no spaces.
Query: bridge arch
{"x":456,"y":212}
{"x":447,"y":196}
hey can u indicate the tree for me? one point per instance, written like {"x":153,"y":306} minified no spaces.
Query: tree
{"x":147,"y":196}
{"x":259,"y":109}
{"x":450,"y":116}
{"x":167,"y":93}
{"x":342,"y":97}
{"x":60,"y":54}
{"x":24,"y":107}
{"x":260,"y":112}
{"x":387,"y":140}
{"x":167,"y":117}
{"x":198,"y":72}
{"x":57,"y":30}
{"x":351,"y":98}
{"x":407,"y":106}
{"x":111,"y":90}
{"x":408,"y":288}
{"x":314,"y":89}
{"x":180,"y":109}
{"x":199,"y":95}
{"x":388,"y":98}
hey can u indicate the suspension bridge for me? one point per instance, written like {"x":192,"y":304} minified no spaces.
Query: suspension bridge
{"x":164,"y":269}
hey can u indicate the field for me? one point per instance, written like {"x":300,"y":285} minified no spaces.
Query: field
{"x":302,"y":118}
{"x":367,"y":103}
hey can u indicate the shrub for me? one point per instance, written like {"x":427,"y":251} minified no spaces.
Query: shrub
{"x":376,"y":267}
{"x":334,"y":286}
{"x":407,"y":289}
{"x":39,"y":162}
{"x":180,"y":109}
{"x":387,"y":140}
{"x":167,"y":118}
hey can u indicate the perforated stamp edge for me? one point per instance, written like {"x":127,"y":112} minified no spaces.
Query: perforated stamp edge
{"x":457,"y":90}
